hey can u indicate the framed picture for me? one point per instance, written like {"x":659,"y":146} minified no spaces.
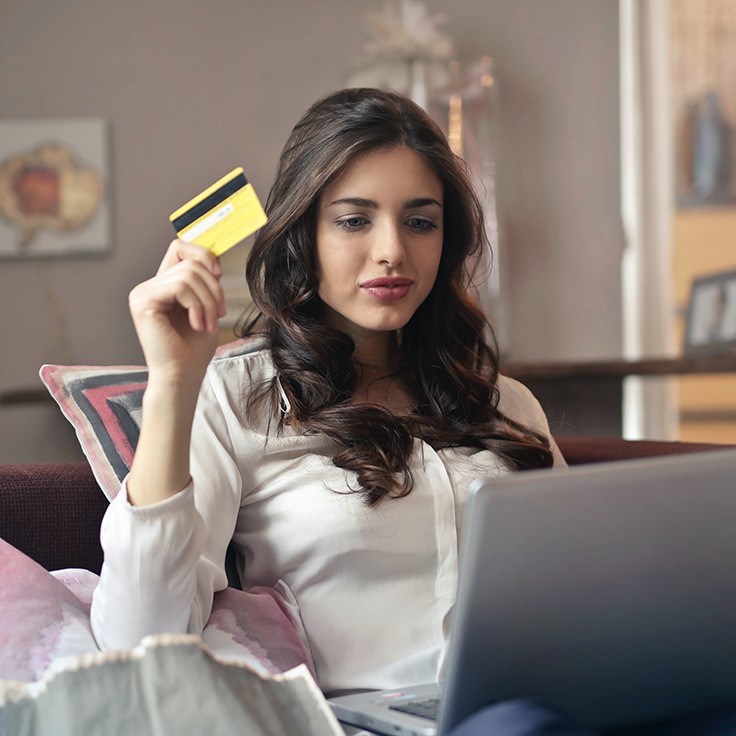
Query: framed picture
{"x":54,"y":188}
{"x":711,"y":315}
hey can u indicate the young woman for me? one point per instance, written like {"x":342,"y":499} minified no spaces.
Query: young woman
{"x":337,"y":452}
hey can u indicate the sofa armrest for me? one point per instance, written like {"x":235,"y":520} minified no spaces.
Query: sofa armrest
{"x":53,"y":513}
{"x":583,"y":450}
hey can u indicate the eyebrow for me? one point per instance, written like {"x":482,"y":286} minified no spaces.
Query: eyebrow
{"x":372,"y":204}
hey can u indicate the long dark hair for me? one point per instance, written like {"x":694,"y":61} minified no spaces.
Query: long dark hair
{"x":448,"y":354}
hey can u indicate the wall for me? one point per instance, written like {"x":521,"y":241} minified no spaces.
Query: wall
{"x":559,"y":171}
{"x":192,"y":89}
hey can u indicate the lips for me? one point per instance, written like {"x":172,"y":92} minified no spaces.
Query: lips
{"x":387,"y":288}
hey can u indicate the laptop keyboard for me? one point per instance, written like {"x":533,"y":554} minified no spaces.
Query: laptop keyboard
{"x":422,"y":708}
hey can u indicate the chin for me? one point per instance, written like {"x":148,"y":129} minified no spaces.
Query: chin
{"x":388,"y":325}
{"x":371,"y":320}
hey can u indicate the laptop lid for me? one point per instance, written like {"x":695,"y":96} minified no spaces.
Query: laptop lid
{"x":606,"y":590}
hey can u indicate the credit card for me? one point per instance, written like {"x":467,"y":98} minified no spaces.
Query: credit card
{"x":222,"y":215}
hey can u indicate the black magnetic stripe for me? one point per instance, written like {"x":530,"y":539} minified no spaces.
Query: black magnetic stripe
{"x":237,"y":182}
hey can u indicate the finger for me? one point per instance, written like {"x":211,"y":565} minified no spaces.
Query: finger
{"x":188,"y":300}
{"x":188,"y":284}
{"x":180,"y":250}
{"x":196,"y":314}
{"x":206,"y":292}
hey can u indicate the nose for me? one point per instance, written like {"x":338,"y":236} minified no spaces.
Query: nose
{"x":389,"y":247}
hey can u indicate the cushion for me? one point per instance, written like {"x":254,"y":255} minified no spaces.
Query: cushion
{"x":45,"y":617}
{"x":103,"y":404}
{"x":41,"y":620}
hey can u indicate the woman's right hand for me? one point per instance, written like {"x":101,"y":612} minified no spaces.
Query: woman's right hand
{"x":176,"y":312}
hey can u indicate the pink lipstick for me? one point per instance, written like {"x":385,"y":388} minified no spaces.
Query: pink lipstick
{"x":387,"y":288}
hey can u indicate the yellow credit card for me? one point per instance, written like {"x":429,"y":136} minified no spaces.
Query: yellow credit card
{"x":222,"y":215}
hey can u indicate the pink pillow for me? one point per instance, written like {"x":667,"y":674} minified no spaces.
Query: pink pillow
{"x":261,"y":627}
{"x":45,"y":616}
{"x":40,"y":619}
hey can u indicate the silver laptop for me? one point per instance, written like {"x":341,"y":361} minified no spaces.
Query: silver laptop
{"x":608,"y":591}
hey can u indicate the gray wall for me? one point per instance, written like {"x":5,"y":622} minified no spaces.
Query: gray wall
{"x":192,"y":89}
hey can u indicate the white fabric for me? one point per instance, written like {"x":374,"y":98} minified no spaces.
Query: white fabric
{"x":374,"y":585}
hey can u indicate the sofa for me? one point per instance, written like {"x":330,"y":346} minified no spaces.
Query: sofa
{"x":52,"y":512}
{"x":49,"y":520}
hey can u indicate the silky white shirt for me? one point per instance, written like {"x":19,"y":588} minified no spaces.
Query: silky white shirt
{"x":375,"y":586}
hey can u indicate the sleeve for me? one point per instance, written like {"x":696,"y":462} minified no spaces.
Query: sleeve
{"x":164,"y":562}
{"x":517,"y":402}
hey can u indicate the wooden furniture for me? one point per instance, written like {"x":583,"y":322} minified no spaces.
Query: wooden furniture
{"x":586,"y":398}
{"x":579,"y":398}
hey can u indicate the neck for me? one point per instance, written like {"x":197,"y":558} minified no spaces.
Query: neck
{"x":377,"y":354}
{"x":378,"y":381}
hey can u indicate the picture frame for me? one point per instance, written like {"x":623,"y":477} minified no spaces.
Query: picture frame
{"x":711,"y":315}
{"x":55,"y":198}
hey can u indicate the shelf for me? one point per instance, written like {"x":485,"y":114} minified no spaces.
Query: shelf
{"x":617,"y":369}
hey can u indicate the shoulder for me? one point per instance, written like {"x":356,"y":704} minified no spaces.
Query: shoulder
{"x":242,"y":347}
{"x":517,"y":402}
{"x":248,"y":358}
{"x":237,"y":369}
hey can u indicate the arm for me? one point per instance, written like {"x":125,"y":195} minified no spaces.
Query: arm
{"x":165,"y":561}
{"x":176,"y":319}
{"x":162,"y":554}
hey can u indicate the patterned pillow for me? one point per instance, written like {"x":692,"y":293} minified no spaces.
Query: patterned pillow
{"x":103,"y":404}
{"x":45,"y":617}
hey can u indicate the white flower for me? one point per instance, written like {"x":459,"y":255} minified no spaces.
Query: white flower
{"x":406,"y":30}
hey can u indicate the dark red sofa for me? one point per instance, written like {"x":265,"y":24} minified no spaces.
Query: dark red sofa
{"x":53,"y":512}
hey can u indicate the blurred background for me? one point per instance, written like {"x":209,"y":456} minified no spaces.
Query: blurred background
{"x":599,"y":229}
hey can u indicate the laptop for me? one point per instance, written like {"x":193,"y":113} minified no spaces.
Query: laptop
{"x":607,"y":591}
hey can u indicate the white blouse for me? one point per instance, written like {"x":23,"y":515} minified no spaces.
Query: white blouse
{"x":374,"y":585}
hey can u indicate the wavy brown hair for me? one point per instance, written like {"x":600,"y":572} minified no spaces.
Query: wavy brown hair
{"x":448,"y":353}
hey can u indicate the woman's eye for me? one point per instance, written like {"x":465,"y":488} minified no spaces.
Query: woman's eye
{"x":420,"y":225}
{"x":352,"y":223}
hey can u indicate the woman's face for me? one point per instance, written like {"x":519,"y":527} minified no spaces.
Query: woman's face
{"x":379,"y":241}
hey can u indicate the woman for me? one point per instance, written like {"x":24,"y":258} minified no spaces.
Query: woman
{"x":338,"y":455}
